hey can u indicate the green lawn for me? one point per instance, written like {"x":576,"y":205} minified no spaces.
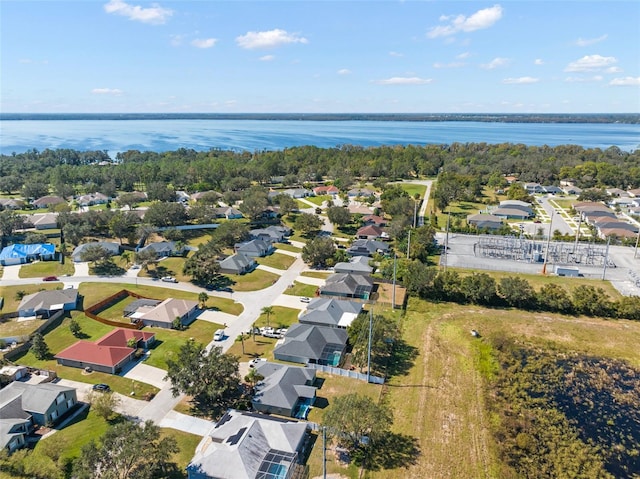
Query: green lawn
{"x":15,"y":328}
{"x":167,"y":267}
{"x":288,"y":247}
{"x":277,"y":260}
{"x":187,"y":444}
{"x":41,"y":269}
{"x":171,"y":340}
{"x":413,"y":188}
{"x":301,"y":289}
{"x":11,"y":300}
{"x":254,"y":281}
{"x":316,"y":274}
{"x":260,"y":346}
{"x":318,"y":200}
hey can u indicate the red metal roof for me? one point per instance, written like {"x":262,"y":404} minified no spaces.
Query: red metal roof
{"x":91,"y":353}
{"x":120,"y":336}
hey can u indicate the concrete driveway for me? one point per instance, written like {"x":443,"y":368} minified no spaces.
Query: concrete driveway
{"x":290,"y":301}
{"x":217,"y":317}
{"x":147,"y":374}
{"x":11,"y":272}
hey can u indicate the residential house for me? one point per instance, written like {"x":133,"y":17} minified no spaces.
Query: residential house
{"x":372,"y":232}
{"x":521,"y":205}
{"x":296,"y":192}
{"x":13,"y":372}
{"x":47,"y":201}
{"x":635,"y":193}
{"x":108,"y":354}
{"x":356,"y":265}
{"x":532,"y":188}
{"x":331,"y":312}
{"x":485,"y":221}
{"x":588,"y":206}
{"x":273,"y":233}
{"x":326,"y":190}
{"x":360,"y":192}
{"x":205,"y":194}
{"x":364,"y":247}
{"x":164,"y":313}
{"x":308,"y":343}
{"x":618,"y":232}
{"x":42,"y":221}
{"x":568,"y":182}
{"x":356,"y":209}
{"x":572,"y":190}
{"x":553,"y":190}
{"x":237,"y":264}
{"x":13,"y":433}
{"x":39,"y":404}
{"x":111,"y":248}
{"x":92,"y":199}
{"x":245,"y":445}
{"x":346,"y":285}
{"x":285,"y":390}
{"x":163,"y":249}
{"x":24,"y":253}
{"x":511,"y":213}
{"x":270,"y":213}
{"x":227,"y":212}
{"x":11,"y":204}
{"x":374,"y":220}
{"x":617,"y":192}
{"x":46,"y":303}
{"x":256,"y":248}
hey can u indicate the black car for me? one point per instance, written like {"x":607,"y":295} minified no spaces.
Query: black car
{"x":101,"y":387}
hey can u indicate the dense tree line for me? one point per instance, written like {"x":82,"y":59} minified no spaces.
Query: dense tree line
{"x":563,"y":414}
{"x":68,"y":171}
{"x":511,"y":291}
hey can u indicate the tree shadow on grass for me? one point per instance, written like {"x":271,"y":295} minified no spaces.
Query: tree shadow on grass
{"x":391,"y":451}
{"x":402,"y":358}
{"x":108,"y":268}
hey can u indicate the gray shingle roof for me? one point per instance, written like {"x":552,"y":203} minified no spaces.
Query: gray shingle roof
{"x":309,"y":341}
{"x":46,"y":300}
{"x":279,"y":388}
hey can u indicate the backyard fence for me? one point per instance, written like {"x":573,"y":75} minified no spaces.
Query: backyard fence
{"x":114,"y":298}
{"x":346,"y":373}
{"x":24,"y":347}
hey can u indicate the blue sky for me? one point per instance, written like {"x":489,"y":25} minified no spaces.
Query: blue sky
{"x":320,"y":56}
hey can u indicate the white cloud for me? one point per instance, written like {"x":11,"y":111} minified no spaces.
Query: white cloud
{"x":585,"y":42}
{"x":591,"y":63}
{"x":538,"y":61}
{"x":155,"y":15}
{"x":495,"y":63}
{"x":449,"y":65}
{"x":594,"y":78}
{"x":268,"y":39}
{"x":106,"y":91}
{"x":396,"y":54}
{"x":480,"y":20}
{"x":404,"y":81}
{"x":204,"y":42}
{"x":614,"y":70}
{"x":267,"y":58}
{"x":626,"y":81}
{"x":344,"y":71}
{"x":520,"y":81}
{"x":463,"y":55}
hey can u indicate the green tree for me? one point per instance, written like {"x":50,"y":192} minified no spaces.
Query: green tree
{"x":203,"y":266}
{"x":385,"y":332}
{"x":35,"y":238}
{"x":130,"y":200}
{"x":318,"y":251}
{"x":94,"y":253}
{"x":229,"y":233}
{"x":211,"y":378}
{"x":39,"y":347}
{"x":423,"y":243}
{"x":202,"y":299}
{"x":286,"y":204}
{"x":127,"y":451}
{"x":253,"y":378}
{"x":122,"y":224}
{"x":591,"y":301}
{"x":307,"y":223}
{"x":161,"y":214}
{"x":553,"y":297}
{"x":9,"y":222}
{"x":254,"y":202}
{"x":353,"y":417}
{"x":339,"y":215}
{"x":268,"y":311}
{"x":517,"y":292}
{"x":104,"y":404}
{"x":479,"y":288}
{"x":75,"y":328}
{"x":160,"y":191}
{"x":518,"y":192}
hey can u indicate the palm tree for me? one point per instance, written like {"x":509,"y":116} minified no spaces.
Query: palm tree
{"x":203,"y":298}
{"x":253,"y":378}
{"x":268,"y":310}
{"x":125,"y":258}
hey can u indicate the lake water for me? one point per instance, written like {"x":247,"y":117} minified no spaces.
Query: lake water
{"x":255,"y":135}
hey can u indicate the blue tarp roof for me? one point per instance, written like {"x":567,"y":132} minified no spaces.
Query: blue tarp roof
{"x":24,"y":250}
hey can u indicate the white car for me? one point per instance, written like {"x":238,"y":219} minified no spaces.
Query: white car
{"x":169,"y":279}
{"x":218,"y":335}
{"x":304,"y":299}
{"x":256,"y":362}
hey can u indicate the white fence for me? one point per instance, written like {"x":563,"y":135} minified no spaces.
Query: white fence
{"x":346,"y":373}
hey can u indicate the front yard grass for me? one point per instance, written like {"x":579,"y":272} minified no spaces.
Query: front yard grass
{"x":413,"y":188}
{"x":301,"y":289}
{"x":277,"y":260}
{"x":171,"y":266}
{"x":288,"y":247}
{"x":253,"y":281}
{"x":316,"y":274}
{"x":46,"y":268}
{"x":318,"y":200}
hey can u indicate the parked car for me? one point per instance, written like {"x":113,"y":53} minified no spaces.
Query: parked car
{"x":218,"y":335}
{"x":50,"y":278}
{"x":101,"y":387}
{"x":304,"y":299}
{"x":266,"y":330}
{"x":256,"y":361}
{"x":169,"y":279}
{"x":282,"y":331}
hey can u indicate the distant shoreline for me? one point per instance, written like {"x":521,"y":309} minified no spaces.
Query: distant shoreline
{"x":627,"y":118}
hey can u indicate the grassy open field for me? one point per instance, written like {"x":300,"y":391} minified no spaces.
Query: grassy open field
{"x":414,"y":189}
{"x":167,"y":267}
{"x":301,"y":289}
{"x":440,"y":400}
{"x":288,"y":247}
{"x":277,"y":260}
{"x":316,"y":274}
{"x":253,"y":281}
{"x":318,"y":200}
{"x":46,"y":268}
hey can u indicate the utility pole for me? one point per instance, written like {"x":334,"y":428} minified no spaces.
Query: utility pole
{"x":409,"y":244}
{"x":393,"y":295}
{"x":369,"y":347}
{"x":446,"y":240}
{"x":606,"y":258}
{"x":575,"y":246}
{"x":546,"y":251}
{"x":324,"y":452}
{"x":635,"y":252}
{"x":415,"y":211}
